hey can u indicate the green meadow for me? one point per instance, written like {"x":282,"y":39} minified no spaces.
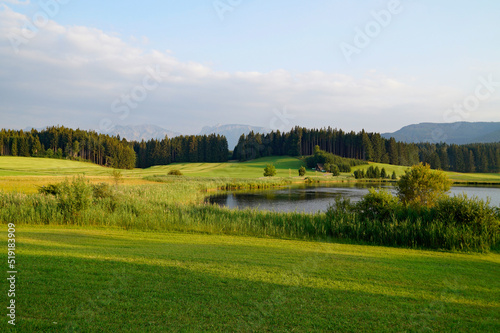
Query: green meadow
{"x":26,"y":174}
{"x":31,"y":166}
{"x":151,"y":257}
{"x":104,"y":280}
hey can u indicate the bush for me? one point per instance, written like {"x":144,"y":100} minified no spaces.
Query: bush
{"x":344,"y":167}
{"x":117,"y":176}
{"x":76,"y":196}
{"x":383,"y":174}
{"x":52,"y":189}
{"x":102,"y":191}
{"x":342,"y":209}
{"x":269,"y":170}
{"x":462,"y":210}
{"x":334,"y":169}
{"x":422,"y":187}
{"x":175,"y":172}
{"x":302,"y":171}
{"x":359,"y":174}
{"x":378,"y":205}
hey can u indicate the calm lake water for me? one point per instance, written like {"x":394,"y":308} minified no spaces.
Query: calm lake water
{"x":311,"y":199}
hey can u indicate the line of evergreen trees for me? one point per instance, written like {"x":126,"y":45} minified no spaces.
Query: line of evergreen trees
{"x":480,"y":157}
{"x":62,"y":142}
{"x":193,"y":148}
{"x":102,"y":149}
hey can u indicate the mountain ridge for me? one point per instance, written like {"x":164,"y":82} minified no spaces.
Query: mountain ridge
{"x":142,"y":132}
{"x":232,"y":132}
{"x":451,"y":133}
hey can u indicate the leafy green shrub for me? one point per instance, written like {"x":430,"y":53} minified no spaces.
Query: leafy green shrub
{"x":302,"y":171}
{"x":472,"y":212}
{"x":344,"y":167}
{"x":175,"y":172}
{"x":52,"y":189}
{"x":76,"y":196}
{"x":342,"y":209}
{"x":422,"y":187}
{"x":373,"y":172}
{"x":378,"y":205}
{"x":117,"y":176}
{"x":474,"y":222}
{"x":102,"y":190}
{"x":334,"y":170}
{"x":359,"y":174}
{"x":269,"y":170}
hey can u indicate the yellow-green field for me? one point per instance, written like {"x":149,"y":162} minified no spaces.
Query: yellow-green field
{"x":26,"y":174}
{"x":455,"y":176}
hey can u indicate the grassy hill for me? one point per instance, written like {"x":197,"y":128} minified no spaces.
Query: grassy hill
{"x":121,"y":281}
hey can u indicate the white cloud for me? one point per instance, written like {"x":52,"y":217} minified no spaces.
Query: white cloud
{"x":72,"y":76}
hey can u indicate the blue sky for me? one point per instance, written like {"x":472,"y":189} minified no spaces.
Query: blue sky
{"x":249,"y":62}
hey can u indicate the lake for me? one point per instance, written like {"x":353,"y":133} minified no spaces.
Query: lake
{"x":314,"y":198}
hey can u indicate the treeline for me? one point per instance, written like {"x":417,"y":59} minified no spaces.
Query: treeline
{"x":374,"y":173}
{"x":62,"y":142}
{"x":193,"y":148}
{"x":102,"y":149}
{"x":477,"y":157}
{"x":481,"y":157}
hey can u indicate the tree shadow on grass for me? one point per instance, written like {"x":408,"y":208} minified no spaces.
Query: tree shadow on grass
{"x":58,"y":294}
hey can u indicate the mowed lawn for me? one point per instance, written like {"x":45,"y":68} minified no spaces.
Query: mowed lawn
{"x":89,"y":280}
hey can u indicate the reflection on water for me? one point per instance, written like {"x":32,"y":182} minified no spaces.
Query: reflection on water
{"x":314,"y":198}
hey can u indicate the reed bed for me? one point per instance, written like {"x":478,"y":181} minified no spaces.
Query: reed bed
{"x":177,"y":204}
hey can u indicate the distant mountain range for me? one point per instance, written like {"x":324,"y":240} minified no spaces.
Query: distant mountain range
{"x":142,"y":132}
{"x":458,"y":133}
{"x":232,"y":132}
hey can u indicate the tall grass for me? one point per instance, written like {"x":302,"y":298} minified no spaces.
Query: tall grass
{"x":455,"y":223}
{"x":206,"y":184}
{"x":177,"y":205}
